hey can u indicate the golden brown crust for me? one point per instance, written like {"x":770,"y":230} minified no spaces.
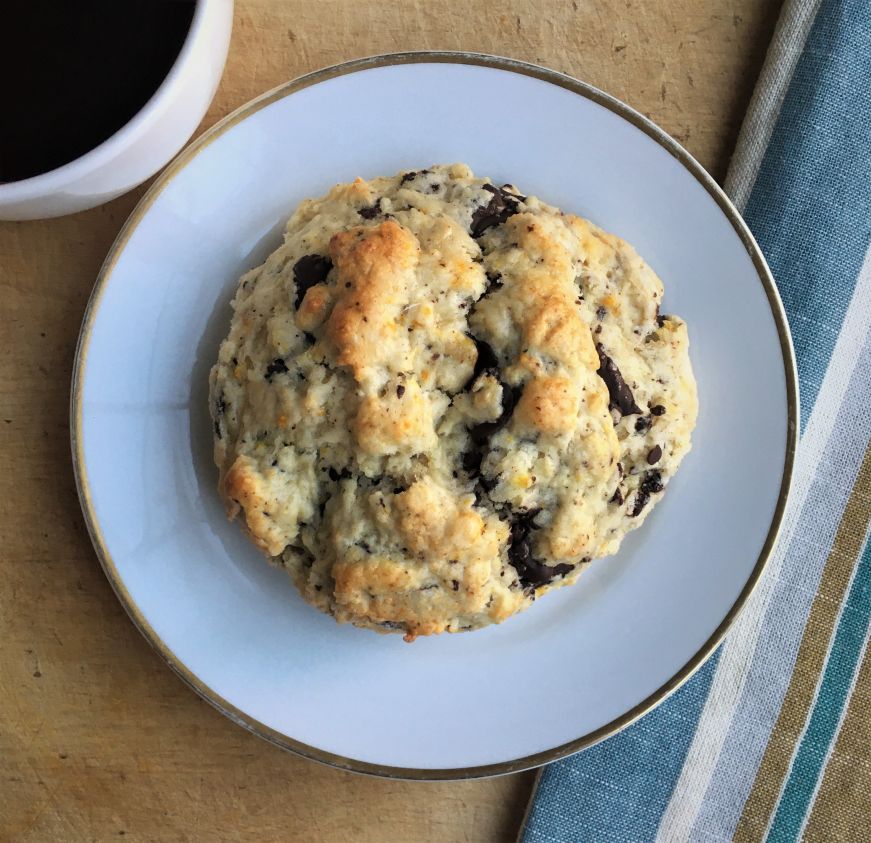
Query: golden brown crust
{"x":243,"y":489}
{"x":571,"y":534}
{"x":433,"y":524}
{"x":314,"y":307}
{"x":374,"y":269}
{"x":556,"y":329}
{"x":549,"y":404}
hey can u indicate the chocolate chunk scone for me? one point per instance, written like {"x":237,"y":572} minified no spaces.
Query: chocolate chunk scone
{"x":441,"y":398}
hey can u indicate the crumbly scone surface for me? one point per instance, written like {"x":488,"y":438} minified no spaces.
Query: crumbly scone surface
{"x":440,"y":398}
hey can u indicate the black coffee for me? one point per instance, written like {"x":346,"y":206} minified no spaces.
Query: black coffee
{"x":73,"y":72}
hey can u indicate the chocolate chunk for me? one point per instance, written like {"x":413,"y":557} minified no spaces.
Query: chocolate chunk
{"x":218,"y":430}
{"x":641,"y":499}
{"x":501,"y":206}
{"x":391,"y":624}
{"x":621,"y":395}
{"x":372,"y":211}
{"x":660,"y":320}
{"x":651,"y":484}
{"x":485,"y":360}
{"x":483,"y":487}
{"x":601,"y":312}
{"x":488,"y":484}
{"x":308,"y":271}
{"x":412,"y":174}
{"x":530,"y":571}
{"x":480,"y":433}
{"x":642,"y":423}
{"x":510,"y":397}
{"x":400,"y":391}
{"x":276,"y":367}
{"x":309,"y":338}
{"x":523,"y":520}
{"x":658,"y":410}
{"x":513,"y":191}
{"x":494,"y":281}
{"x":654,"y":456}
{"x":455,"y":585}
{"x":335,"y":476}
{"x":617,"y":497}
{"x":472,"y":462}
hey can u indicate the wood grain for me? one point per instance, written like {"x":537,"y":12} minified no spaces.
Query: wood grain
{"x":98,"y":739}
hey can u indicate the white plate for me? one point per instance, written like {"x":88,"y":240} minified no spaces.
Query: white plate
{"x":583,"y":662}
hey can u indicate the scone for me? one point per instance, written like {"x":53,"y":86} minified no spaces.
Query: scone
{"x":441,"y":398}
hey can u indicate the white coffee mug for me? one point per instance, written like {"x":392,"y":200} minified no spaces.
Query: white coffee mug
{"x":147,"y":141}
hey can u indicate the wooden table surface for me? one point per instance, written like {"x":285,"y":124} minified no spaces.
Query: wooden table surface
{"x":98,"y":739}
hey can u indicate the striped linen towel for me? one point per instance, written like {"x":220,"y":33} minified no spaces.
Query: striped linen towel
{"x":771,"y":739}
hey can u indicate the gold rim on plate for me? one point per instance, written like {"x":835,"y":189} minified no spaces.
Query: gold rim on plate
{"x":481,"y":60}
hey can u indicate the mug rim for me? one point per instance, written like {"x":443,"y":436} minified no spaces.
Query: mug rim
{"x":46,"y":183}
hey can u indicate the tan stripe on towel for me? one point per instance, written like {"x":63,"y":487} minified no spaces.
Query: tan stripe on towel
{"x":840,"y":811}
{"x":810,"y":661}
